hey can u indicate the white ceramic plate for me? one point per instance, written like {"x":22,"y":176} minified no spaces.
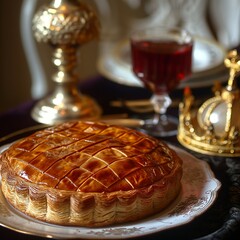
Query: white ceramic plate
{"x":208,"y":57}
{"x":199,"y":190}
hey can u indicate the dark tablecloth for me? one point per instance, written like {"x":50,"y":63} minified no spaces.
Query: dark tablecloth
{"x":220,"y":221}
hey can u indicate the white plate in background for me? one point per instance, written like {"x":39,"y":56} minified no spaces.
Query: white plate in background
{"x":208,"y":57}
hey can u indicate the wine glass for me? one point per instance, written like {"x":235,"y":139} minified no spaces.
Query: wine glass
{"x":161,"y":58}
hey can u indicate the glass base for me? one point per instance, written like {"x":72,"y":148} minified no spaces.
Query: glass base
{"x":165,"y":126}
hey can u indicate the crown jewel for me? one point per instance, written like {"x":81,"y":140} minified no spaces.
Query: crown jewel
{"x":214,"y":128}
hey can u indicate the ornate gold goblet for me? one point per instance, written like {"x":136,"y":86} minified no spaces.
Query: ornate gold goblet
{"x":65,"y":25}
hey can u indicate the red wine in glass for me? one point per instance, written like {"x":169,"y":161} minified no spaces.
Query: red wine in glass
{"x":161,"y":58}
{"x":161,"y":65}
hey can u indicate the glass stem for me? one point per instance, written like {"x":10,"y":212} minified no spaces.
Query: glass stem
{"x":160,"y":105}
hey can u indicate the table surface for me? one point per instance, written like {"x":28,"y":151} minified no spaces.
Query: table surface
{"x":220,"y":221}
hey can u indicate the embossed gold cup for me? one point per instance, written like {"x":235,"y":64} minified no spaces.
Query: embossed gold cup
{"x":65,"y":25}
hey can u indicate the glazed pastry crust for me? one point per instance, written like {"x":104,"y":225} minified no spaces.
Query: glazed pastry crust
{"x":90,"y":174}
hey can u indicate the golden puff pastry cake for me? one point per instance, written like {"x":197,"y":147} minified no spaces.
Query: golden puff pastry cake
{"x":90,"y":174}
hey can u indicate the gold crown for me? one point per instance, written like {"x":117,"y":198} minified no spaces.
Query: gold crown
{"x":214,"y":128}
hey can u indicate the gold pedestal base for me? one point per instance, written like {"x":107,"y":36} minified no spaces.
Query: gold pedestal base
{"x":55,"y":109}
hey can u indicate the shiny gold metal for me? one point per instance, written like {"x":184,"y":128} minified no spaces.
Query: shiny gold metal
{"x":214,"y":128}
{"x":65,"y":25}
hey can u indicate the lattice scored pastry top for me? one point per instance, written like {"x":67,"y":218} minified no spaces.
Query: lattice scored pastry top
{"x":90,"y":174}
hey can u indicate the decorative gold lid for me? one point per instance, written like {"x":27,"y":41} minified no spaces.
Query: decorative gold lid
{"x":70,"y":22}
{"x":214,"y":128}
